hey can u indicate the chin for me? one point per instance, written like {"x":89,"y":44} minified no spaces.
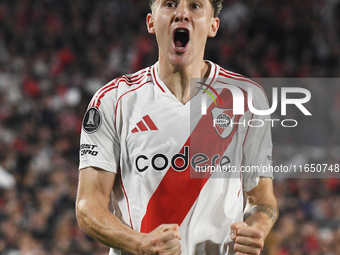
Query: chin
{"x":179,"y":62}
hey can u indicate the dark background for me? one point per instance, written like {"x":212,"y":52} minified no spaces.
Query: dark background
{"x":54,"y":54}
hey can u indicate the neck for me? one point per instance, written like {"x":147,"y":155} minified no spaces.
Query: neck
{"x":178,"y":79}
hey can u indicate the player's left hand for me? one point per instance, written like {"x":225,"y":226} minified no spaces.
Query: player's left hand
{"x":248,"y":239}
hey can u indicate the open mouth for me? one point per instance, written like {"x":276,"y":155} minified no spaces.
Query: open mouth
{"x":181,"y":39}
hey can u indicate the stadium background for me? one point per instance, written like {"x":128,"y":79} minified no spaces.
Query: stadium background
{"x":54,"y":54}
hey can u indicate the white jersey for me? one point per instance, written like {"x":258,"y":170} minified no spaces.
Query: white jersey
{"x":161,"y":151}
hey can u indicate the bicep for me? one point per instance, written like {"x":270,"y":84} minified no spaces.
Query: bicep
{"x":95,"y":185}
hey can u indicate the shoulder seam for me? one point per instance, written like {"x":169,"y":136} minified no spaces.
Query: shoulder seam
{"x":239,"y":77}
{"x":136,"y":78}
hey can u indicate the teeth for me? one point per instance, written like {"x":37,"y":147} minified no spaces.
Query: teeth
{"x":181,"y":30}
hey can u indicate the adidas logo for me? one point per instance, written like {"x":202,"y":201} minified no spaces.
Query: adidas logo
{"x":145,"y":124}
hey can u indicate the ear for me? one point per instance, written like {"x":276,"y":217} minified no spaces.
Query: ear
{"x":214,"y":25}
{"x":150,"y":23}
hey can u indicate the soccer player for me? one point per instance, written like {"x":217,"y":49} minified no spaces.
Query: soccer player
{"x":143,"y":140}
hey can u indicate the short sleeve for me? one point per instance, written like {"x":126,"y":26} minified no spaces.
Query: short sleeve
{"x":257,"y":149}
{"x":99,"y":144}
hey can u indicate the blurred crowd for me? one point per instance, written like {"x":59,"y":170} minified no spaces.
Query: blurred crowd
{"x":54,"y":54}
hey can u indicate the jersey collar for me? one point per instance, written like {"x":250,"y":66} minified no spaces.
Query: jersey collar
{"x":214,"y":70}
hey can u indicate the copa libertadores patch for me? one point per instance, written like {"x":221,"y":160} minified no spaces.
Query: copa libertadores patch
{"x":92,"y":120}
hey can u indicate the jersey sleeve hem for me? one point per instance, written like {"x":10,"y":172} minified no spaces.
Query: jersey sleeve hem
{"x":254,"y":181}
{"x":251,"y":184}
{"x":107,"y":166}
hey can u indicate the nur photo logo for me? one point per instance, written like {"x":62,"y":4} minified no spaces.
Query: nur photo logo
{"x":209,"y":93}
{"x":224,"y":118}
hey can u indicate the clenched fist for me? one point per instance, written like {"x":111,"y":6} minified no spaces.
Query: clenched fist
{"x":248,"y":239}
{"x":164,"y":240}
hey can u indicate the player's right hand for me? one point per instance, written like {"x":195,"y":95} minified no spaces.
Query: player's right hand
{"x":163,"y":240}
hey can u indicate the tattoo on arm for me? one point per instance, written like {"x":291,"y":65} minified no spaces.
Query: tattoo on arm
{"x":265,"y":208}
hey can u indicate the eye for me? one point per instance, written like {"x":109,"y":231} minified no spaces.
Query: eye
{"x":170,"y":4}
{"x":196,"y":6}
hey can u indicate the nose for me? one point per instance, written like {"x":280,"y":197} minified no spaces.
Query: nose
{"x":181,"y":13}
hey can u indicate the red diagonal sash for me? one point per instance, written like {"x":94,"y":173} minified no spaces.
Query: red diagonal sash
{"x":177,"y":192}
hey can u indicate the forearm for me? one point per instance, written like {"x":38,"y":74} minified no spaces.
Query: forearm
{"x":262,"y":215}
{"x":98,"y":222}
